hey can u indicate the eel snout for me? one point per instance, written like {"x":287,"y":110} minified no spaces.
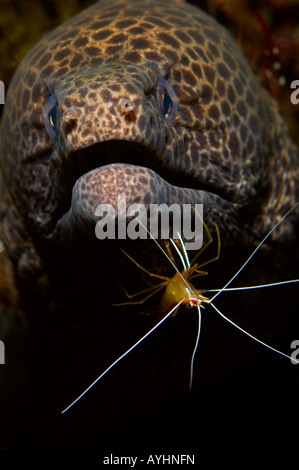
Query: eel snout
{"x":109,"y":103}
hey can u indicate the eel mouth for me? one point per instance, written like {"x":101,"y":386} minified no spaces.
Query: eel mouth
{"x":99,"y":173}
{"x":131,"y":153}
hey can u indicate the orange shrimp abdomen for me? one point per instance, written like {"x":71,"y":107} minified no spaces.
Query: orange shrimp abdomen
{"x":177,"y":289}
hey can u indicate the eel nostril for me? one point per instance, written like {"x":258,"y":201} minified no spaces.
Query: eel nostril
{"x":70,"y":118}
{"x":72,"y":113}
{"x":126,"y":105}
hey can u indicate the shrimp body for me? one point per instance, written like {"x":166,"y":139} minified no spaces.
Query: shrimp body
{"x":179,"y":287}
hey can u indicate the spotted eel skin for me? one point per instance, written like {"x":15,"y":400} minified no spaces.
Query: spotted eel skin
{"x":154,"y":101}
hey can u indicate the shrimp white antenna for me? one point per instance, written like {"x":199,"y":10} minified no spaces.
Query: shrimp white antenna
{"x":189,"y":287}
{"x":166,"y":255}
{"x":122,"y":356}
{"x":230,"y":289}
{"x":195,"y":347}
{"x":250,"y":335}
{"x":253,"y":253}
{"x":184,"y":256}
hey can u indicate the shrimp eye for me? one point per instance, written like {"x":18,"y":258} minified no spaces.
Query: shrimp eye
{"x":50,"y":118}
{"x":167,"y":100}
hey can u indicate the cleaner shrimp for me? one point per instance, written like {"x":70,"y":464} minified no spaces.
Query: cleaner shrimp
{"x":180,"y":291}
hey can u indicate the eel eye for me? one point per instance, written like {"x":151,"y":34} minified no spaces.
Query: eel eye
{"x":50,"y":118}
{"x":167,"y":100}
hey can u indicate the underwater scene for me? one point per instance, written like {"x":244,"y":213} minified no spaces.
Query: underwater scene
{"x":149,"y":217}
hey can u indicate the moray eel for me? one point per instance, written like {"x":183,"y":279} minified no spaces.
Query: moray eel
{"x":153,"y":101}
